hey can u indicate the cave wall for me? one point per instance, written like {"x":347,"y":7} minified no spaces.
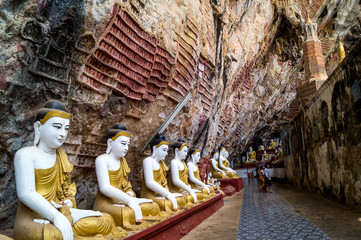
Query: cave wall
{"x":322,"y":144}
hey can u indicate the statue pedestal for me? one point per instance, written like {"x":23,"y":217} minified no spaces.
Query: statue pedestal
{"x":231,"y":185}
{"x":179,"y":225}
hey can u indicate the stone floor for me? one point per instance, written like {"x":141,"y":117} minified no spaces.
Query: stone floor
{"x":269,"y":216}
{"x":287,"y":213}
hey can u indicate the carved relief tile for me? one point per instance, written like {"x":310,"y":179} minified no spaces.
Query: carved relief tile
{"x":128,"y":60}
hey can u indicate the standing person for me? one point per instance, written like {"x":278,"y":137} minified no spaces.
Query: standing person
{"x":267,"y":173}
{"x":261,"y":178}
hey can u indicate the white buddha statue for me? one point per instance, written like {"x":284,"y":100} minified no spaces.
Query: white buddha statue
{"x":193,"y":173}
{"x":178,"y":177}
{"x":47,"y":207}
{"x":115,"y":195}
{"x":215,"y":170}
{"x":272,"y":144}
{"x":154,"y":183}
{"x":224,"y":165}
{"x":251,"y":155}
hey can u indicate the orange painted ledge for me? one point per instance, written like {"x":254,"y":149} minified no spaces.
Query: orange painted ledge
{"x":179,"y":225}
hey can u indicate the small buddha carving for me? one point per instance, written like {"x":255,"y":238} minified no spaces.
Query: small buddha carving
{"x":115,"y":195}
{"x":224,"y":164}
{"x":193,"y":172}
{"x":154,"y":182}
{"x":178,"y":177}
{"x":215,"y":170}
{"x":47,"y":207}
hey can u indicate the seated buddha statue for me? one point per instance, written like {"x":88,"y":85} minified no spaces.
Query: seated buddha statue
{"x":154,"y":182}
{"x":115,"y":195}
{"x":251,"y":155}
{"x":279,"y":155}
{"x":223,"y":164}
{"x":178,"y":177}
{"x":193,"y":172}
{"x":272,"y":145}
{"x":47,"y":207}
{"x":215,"y":170}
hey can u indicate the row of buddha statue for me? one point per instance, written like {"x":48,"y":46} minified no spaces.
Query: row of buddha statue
{"x":47,"y":206}
{"x":273,"y":152}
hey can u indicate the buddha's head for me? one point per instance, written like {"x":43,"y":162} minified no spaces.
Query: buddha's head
{"x":222,"y":151}
{"x":52,"y":125}
{"x":215,"y":155}
{"x":250,"y":149}
{"x":118,"y":140}
{"x":159,"y":147}
{"x":194,"y":154}
{"x":180,"y":149}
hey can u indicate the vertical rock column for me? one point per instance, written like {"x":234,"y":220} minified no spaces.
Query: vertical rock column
{"x":314,"y":65}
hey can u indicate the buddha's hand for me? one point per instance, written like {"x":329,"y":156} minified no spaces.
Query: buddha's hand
{"x":171,"y":197}
{"x":193,"y":195}
{"x":133,"y":204}
{"x":63,"y":224}
{"x":207,"y":188}
{"x":144,"y":200}
{"x":196,"y":190}
{"x":60,"y":205}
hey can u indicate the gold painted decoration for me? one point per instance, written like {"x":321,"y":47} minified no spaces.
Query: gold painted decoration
{"x":125,"y":134}
{"x":54,"y":113}
{"x":161,"y":143}
{"x":183,"y":145}
{"x":196,"y":151}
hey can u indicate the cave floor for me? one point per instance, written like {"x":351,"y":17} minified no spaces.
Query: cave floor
{"x":287,"y":213}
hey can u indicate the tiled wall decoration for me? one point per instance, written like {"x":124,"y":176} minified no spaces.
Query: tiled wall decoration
{"x":186,"y":64}
{"x":128,"y":61}
{"x":205,"y":87}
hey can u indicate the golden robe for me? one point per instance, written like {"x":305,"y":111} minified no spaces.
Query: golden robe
{"x":123,"y":216}
{"x":183,"y":176}
{"x":215,"y":173}
{"x":54,"y":185}
{"x":204,"y":191}
{"x":160,"y":177}
{"x":228,"y":174}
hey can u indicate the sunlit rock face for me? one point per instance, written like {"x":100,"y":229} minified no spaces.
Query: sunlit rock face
{"x":133,"y":61}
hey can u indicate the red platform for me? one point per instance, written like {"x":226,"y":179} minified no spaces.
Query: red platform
{"x":179,"y":225}
{"x":231,"y":185}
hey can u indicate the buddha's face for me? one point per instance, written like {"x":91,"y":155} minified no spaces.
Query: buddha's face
{"x":196,"y":157}
{"x":215,"y":156}
{"x":161,"y":152}
{"x":120,"y":146}
{"x":182,"y":153}
{"x":54,"y":132}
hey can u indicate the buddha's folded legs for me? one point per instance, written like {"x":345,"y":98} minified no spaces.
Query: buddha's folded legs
{"x":92,"y":226}
{"x":86,"y":228}
{"x":26,"y":229}
{"x":217,"y":175}
{"x":164,"y":204}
